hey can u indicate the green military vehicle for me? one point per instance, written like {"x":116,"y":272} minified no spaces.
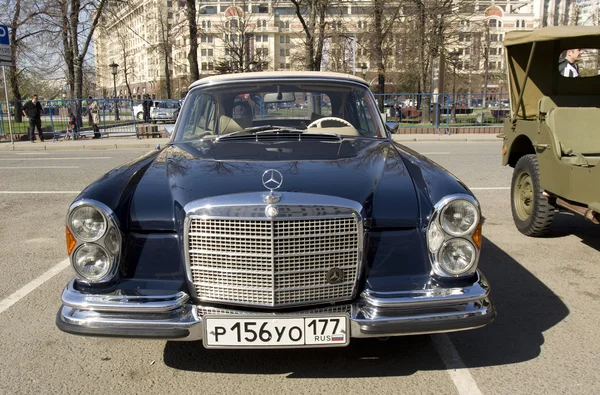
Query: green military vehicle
{"x":552,"y":138}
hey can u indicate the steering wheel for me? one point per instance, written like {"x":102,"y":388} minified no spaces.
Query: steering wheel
{"x":318,"y":122}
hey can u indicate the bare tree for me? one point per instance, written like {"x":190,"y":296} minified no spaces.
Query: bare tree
{"x":22,"y":28}
{"x":127,"y":62}
{"x":312,"y":14}
{"x":193,"y":31}
{"x":238,"y":32}
{"x":83,"y":19}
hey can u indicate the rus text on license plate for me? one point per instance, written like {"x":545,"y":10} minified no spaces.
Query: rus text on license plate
{"x":263,"y":332}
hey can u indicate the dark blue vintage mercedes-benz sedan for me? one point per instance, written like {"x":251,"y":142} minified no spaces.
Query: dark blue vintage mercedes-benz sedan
{"x":280,"y":214}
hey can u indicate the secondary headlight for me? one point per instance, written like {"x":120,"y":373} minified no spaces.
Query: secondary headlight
{"x":91,"y":262}
{"x":459,"y":217}
{"x":457,"y":256}
{"x":87,"y":223}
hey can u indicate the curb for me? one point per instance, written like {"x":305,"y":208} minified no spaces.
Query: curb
{"x":94,"y":146}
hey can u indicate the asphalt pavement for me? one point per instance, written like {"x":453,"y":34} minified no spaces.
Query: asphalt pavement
{"x":544,"y":341}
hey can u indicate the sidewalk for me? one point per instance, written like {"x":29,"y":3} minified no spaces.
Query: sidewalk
{"x":83,"y":144}
{"x":459,"y":137}
{"x":133,"y":143}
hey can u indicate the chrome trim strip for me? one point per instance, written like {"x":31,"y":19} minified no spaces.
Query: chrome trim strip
{"x":118,"y":302}
{"x":430,"y":297}
{"x":211,"y":252}
{"x":129,"y":319}
{"x":212,"y":269}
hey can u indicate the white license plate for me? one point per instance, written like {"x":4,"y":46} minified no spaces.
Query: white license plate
{"x":269,"y":332}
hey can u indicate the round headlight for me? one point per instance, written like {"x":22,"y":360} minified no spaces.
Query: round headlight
{"x":457,"y":256}
{"x":435,"y":237}
{"x":459,"y":217}
{"x":113,"y":241}
{"x":87,"y":223}
{"x":91,"y":262}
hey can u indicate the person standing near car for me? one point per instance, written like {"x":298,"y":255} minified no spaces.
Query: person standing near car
{"x":146,"y":104}
{"x":95,"y":117}
{"x":33,"y":110}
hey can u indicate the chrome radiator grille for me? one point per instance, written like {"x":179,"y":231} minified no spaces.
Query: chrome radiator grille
{"x":265,"y":262}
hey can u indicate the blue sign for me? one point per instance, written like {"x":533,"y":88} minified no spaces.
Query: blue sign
{"x":4,"y":35}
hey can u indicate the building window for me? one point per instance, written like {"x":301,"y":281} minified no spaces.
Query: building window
{"x":210,"y":52}
{"x":281,"y":66}
{"x":265,"y":38}
{"x":281,"y":52}
{"x":210,"y":66}
{"x":204,"y":66}
{"x":258,"y":38}
{"x":203,"y":52}
{"x":287,"y":39}
{"x":281,"y":39}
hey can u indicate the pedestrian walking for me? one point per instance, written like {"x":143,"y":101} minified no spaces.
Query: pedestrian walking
{"x":33,"y":110}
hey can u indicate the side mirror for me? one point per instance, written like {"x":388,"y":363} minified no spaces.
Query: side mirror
{"x":169,"y":129}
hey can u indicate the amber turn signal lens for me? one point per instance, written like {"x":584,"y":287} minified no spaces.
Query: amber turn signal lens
{"x":503,"y":150}
{"x":477,"y":235}
{"x":71,"y":242}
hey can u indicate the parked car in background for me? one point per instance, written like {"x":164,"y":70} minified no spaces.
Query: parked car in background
{"x":256,"y":228}
{"x":165,"y":111}
{"x":138,"y":110}
{"x":553,"y":138}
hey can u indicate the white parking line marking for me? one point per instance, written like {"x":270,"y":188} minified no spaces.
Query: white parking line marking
{"x":36,"y":192}
{"x":39,"y":167}
{"x":5,"y":304}
{"x":72,"y":158}
{"x":489,"y":188}
{"x":459,"y":374}
{"x":434,"y":153}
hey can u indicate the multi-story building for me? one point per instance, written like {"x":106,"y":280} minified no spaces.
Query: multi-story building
{"x":149,"y":40}
{"x":588,"y":12}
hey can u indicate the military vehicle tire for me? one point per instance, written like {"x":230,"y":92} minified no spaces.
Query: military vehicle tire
{"x":531,"y":210}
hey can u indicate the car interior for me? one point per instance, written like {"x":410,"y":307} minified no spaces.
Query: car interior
{"x":343,"y":110}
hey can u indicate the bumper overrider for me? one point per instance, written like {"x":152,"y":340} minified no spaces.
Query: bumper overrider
{"x":175,"y":317}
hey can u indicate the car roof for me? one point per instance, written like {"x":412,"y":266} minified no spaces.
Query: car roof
{"x":216,"y":79}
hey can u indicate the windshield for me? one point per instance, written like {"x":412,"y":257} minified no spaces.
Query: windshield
{"x":168,"y":104}
{"x":301,"y":106}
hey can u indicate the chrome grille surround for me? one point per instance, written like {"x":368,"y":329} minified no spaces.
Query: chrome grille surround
{"x":236,"y":255}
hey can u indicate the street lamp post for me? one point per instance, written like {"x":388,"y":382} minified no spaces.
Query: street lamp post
{"x":454,"y":58}
{"x":364,"y":71}
{"x":113,"y":68}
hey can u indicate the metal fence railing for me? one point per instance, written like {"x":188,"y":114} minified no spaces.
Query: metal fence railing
{"x":444,"y":111}
{"x":96,"y":117}
{"x":438,"y":113}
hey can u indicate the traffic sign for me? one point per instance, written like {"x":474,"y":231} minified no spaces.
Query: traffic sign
{"x":4,"y":46}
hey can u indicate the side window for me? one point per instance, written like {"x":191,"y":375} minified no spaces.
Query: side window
{"x":361,"y":117}
{"x":198,"y":117}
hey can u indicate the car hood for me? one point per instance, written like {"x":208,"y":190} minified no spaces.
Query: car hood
{"x":368,"y":171}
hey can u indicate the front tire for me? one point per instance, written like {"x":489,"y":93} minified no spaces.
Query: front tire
{"x":531,"y":210}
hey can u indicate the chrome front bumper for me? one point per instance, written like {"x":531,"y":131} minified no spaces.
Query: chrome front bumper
{"x":173,"y":317}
